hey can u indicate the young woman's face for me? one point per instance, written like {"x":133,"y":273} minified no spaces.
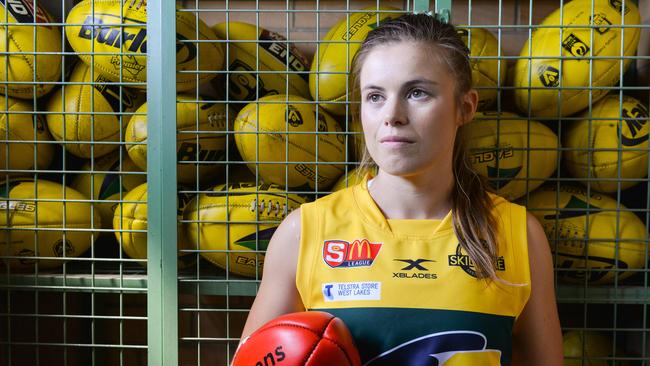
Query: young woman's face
{"x":408,"y":110}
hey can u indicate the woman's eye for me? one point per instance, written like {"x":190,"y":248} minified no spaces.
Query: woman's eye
{"x":374,"y":98}
{"x":417,"y":94}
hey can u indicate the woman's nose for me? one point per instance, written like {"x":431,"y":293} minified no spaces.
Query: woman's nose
{"x":395,"y":113}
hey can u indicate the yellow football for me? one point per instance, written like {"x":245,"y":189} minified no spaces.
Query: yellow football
{"x":280,"y":137}
{"x":613,"y":138}
{"x":594,"y":239}
{"x":558,"y":80}
{"x":488,"y":72}
{"x":252,"y":49}
{"x":200,"y":141}
{"x":222,"y":223}
{"x":589,"y":348}
{"x":516,"y":154}
{"x":30,"y":53}
{"x":106,"y":183}
{"x":44,"y":219}
{"x":95,"y":30}
{"x":18,"y":126}
{"x":83,"y":113}
{"x":328,"y":80}
{"x":130,"y":223}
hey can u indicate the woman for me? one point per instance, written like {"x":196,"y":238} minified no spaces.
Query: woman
{"x":419,"y":261}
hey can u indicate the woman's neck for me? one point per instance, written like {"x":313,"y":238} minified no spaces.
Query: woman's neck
{"x":419,"y":196}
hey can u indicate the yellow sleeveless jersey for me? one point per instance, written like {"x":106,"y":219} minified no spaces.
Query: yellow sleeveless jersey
{"x":405,"y":289}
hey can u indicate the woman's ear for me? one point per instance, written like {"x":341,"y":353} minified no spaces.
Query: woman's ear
{"x":468,"y":107}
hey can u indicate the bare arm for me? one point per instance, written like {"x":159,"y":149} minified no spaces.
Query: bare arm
{"x":537,"y":338}
{"x":278,"y":294}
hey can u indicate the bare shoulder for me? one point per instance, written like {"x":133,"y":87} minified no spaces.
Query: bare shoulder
{"x":284,"y":245}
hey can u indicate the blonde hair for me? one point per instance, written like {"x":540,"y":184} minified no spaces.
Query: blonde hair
{"x":472,"y":207}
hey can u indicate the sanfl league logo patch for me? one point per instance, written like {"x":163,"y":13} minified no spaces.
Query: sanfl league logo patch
{"x":359,"y":253}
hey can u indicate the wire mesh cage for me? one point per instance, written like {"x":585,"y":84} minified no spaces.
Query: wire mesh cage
{"x":126,"y":240}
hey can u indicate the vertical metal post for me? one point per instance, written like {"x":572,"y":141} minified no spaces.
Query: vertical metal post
{"x":162,"y":291}
{"x":421,"y":6}
{"x":442,"y":8}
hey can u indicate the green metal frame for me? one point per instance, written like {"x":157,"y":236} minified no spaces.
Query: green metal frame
{"x":162,"y":288}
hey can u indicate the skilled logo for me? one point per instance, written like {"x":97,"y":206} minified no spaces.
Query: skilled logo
{"x":462,"y":260}
{"x":549,"y":76}
{"x":601,"y":20}
{"x":574,"y":208}
{"x":441,"y":349}
{"x":414,"y":269}
{"x":342,"y":254}
{"x":635,"y":119}
{"x":351,"y":291}
{"x":575,"y":46}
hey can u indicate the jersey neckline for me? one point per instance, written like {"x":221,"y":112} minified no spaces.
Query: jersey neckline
{"x":371,"y":213}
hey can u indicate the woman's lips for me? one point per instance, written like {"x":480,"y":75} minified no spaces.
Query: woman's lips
{"x":395,"y":141}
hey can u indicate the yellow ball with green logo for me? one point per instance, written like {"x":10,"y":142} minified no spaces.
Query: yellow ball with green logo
{"x":328,"y":80}
{"x":609,"y":147}
{"x":594,"y":238}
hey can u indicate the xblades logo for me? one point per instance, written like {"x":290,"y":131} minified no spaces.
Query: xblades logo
{"x":574,"y":208}
{"x":549,"y":76}
{"x":635,"y":119}
{"x":414,"y":264}
{"x":416,"y":268}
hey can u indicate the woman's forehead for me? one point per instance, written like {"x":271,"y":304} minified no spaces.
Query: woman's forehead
{"x":404,"y":61}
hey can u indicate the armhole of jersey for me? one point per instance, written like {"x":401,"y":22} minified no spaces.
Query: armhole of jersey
{"x":306,"y":252}
{"x":519,"y":237}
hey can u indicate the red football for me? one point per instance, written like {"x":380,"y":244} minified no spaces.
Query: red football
{"x":311,"y":338}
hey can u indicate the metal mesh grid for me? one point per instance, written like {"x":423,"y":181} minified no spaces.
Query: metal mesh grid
{"x":92,"y":307}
